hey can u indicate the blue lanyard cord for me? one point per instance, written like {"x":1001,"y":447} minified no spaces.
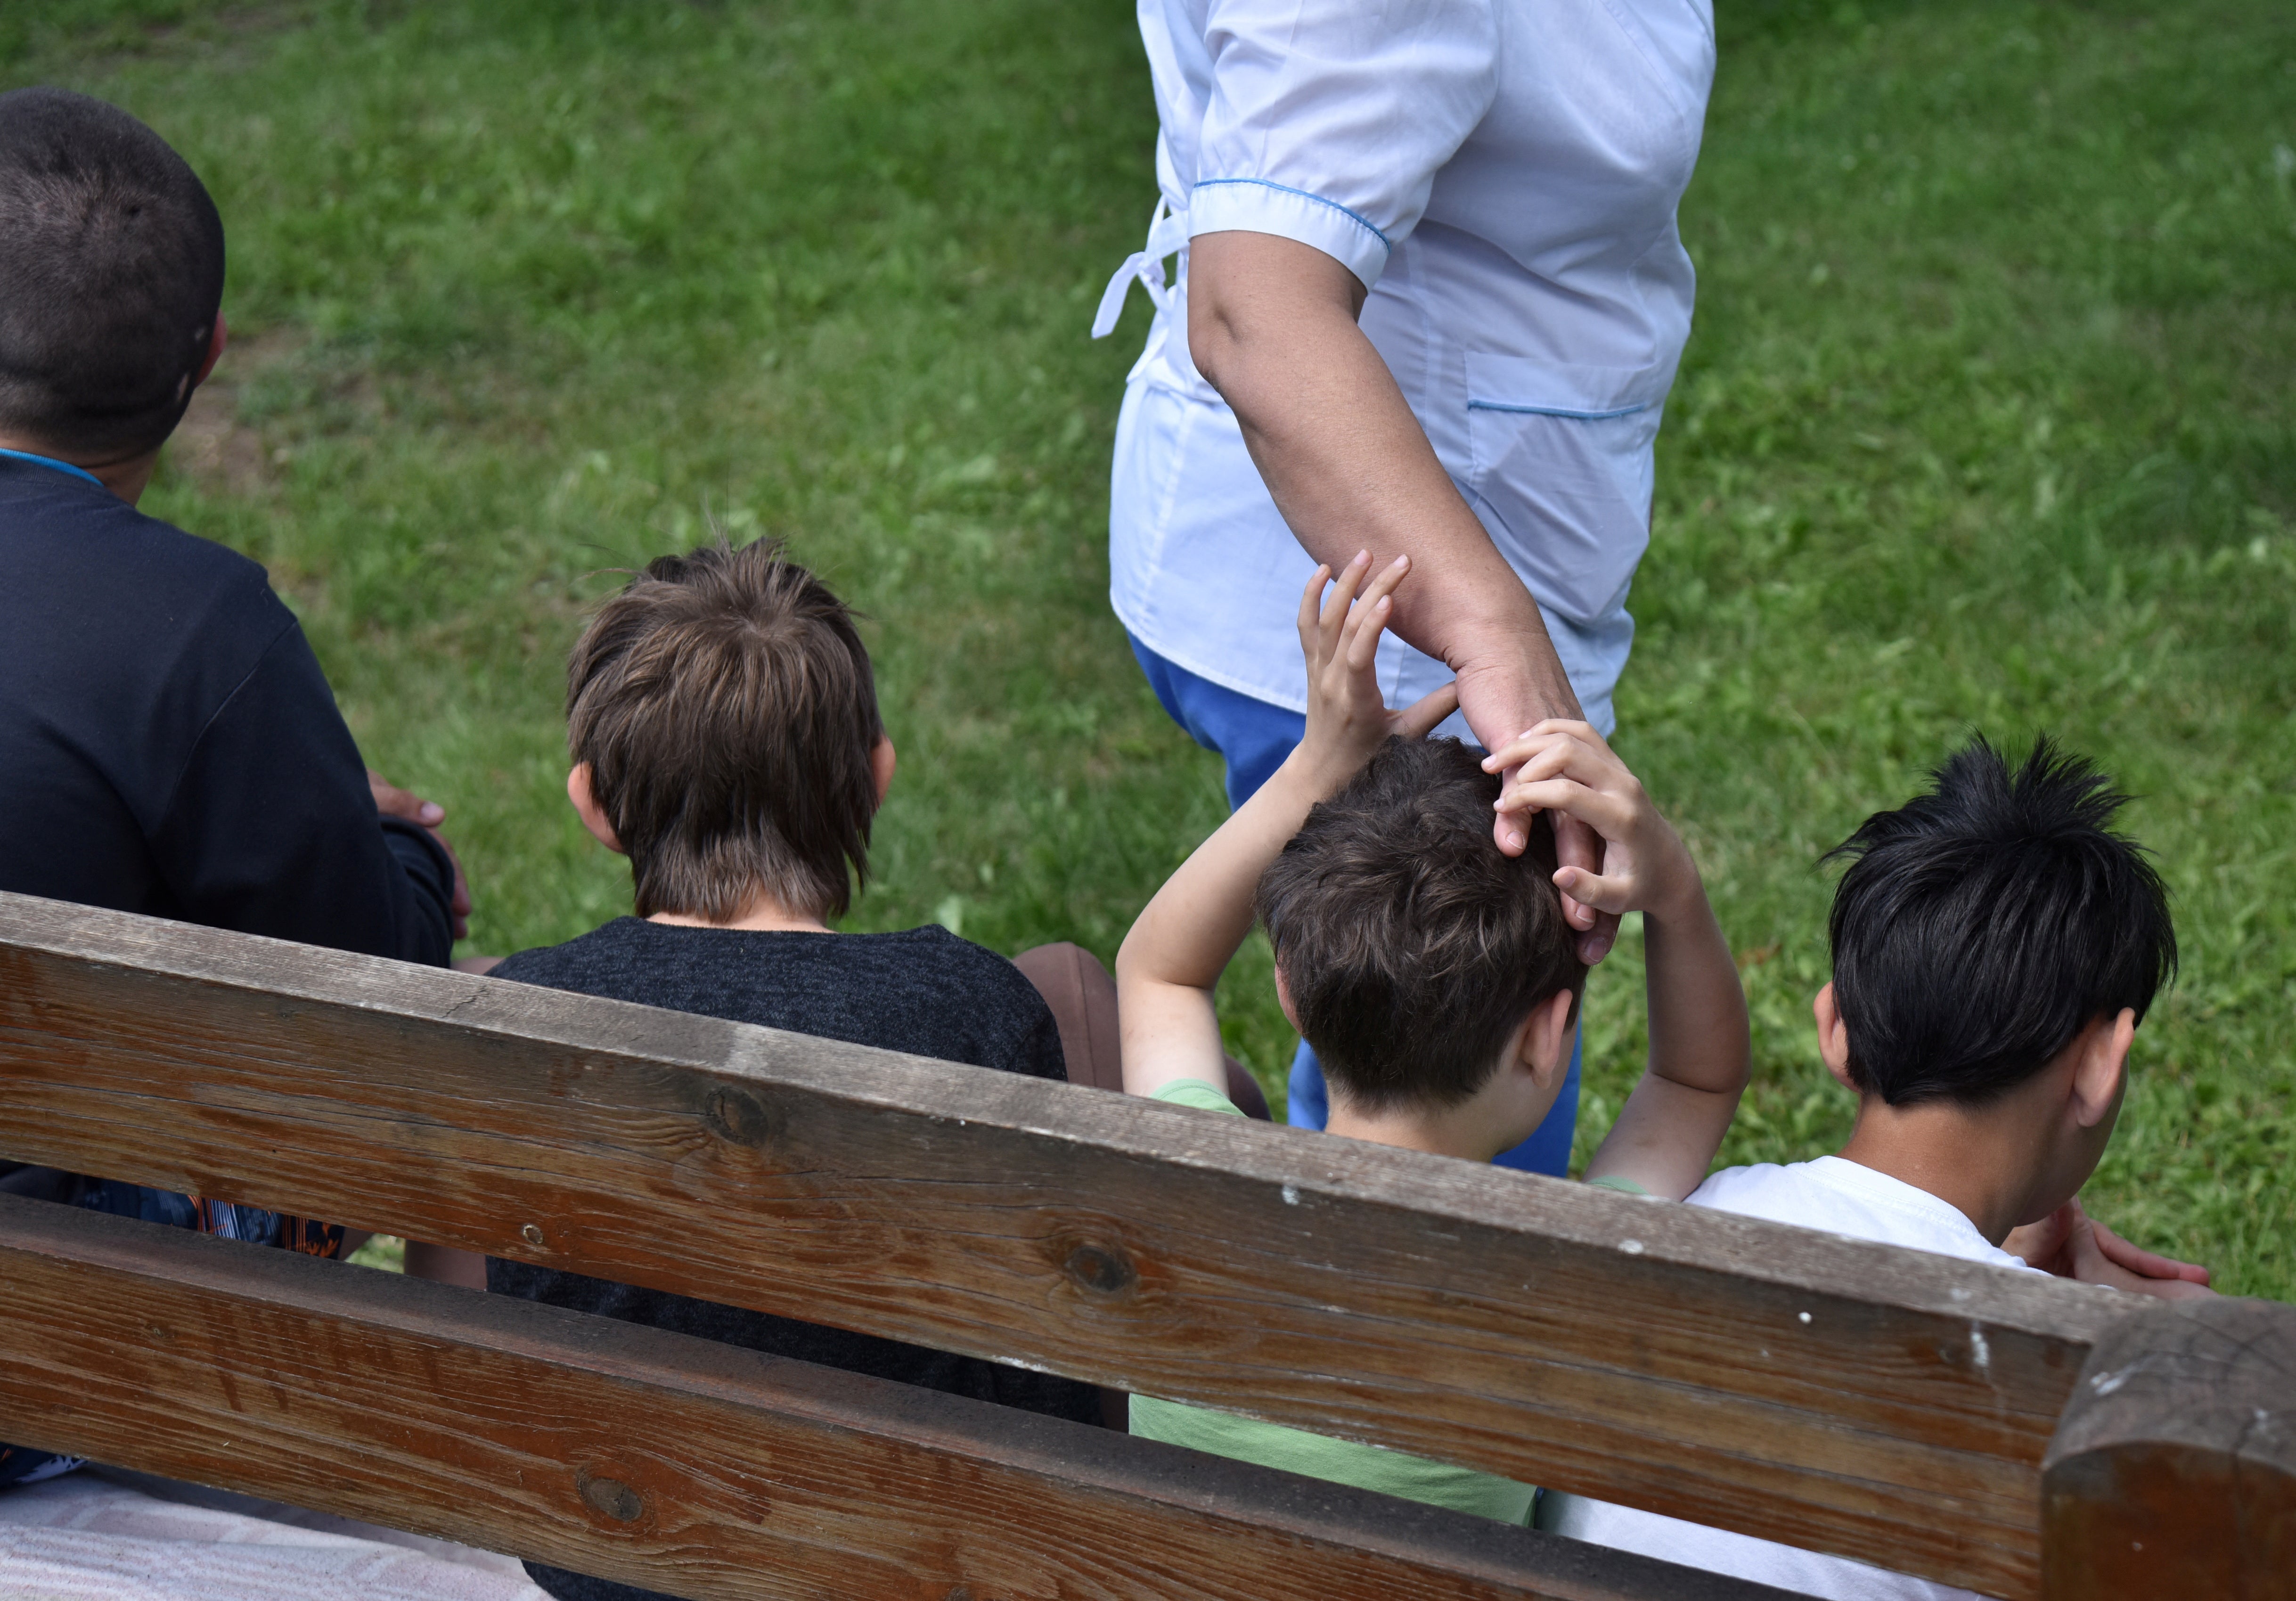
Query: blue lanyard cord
{"x":50,"y":461}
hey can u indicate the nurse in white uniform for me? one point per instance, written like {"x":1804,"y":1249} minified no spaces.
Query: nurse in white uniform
{"x":1429,"y":299}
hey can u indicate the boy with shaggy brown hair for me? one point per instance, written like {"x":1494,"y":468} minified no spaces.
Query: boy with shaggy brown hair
{"x":722,"y":715}
{"x":1435,"y":977}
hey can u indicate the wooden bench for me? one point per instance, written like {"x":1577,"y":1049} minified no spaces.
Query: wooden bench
{"x":2020,"y":1436}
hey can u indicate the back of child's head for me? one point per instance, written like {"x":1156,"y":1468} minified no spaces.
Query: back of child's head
{"x":110,"y":275}
{"x":726,"y":705}
{"x":1983,"y":925}
{"x":1411,"y":948}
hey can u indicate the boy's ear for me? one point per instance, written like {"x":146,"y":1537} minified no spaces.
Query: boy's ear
{"x":2101,"y":1068}
{"x":1833,"y":1040}
{"x":585,"y":807}
{"x":883,"y":760}
{"x":1543,"y":1041}
{"x":215,"y":349}
{"x":1284,"y":999}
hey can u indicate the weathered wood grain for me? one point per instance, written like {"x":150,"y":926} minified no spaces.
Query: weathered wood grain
{"x":681,"y":1464}
{"x":1827,"y":1392}
{"x":2174,"y":1473}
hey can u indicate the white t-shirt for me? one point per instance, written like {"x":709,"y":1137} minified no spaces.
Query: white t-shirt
{"x":1502,"y":176}
{"x":1841,"y":1197}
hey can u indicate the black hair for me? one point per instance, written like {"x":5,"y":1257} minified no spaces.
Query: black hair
{"x":1982,"y":925}
{"x":1410,"y":945}
{"x":110,"y":275}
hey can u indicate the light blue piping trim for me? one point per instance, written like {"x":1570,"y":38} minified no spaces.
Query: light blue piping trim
{"x":1303,"y":194}
{"x":1556,"y":411}
{"x":50,"y":461}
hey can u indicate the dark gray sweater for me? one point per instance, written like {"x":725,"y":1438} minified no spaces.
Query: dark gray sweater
{"x":926,"y":992}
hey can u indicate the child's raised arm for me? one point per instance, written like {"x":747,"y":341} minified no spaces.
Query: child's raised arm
{"x":1699,"y":1046}
{"x":1182,"y":941}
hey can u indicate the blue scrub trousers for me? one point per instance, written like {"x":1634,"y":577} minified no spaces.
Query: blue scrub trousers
{"x":1253,"y":738}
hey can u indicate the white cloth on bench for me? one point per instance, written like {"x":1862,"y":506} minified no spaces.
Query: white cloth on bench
{"x":105,"y":1534}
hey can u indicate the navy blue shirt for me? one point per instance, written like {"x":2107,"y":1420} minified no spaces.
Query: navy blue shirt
{"x":169,"y":744}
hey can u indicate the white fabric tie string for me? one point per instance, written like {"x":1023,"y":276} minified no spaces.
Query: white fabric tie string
{"x":1168,"y":235}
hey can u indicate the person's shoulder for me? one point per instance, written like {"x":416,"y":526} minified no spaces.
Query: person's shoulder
{"x":100,"y":528}
{"x":154,"y":578}
{"x":920,"y":972}
{"x":580,"y":963}
{"x":1755,"y":1179}
{"x":930,"y":955}
{"x":1779,"y":1192}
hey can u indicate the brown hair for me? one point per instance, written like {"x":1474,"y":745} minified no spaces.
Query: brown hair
{"x":725,"y":706}
{"x":1410,"y":945}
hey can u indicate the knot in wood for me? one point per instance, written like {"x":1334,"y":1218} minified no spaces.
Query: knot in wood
{"x":611,"y":1498}
{"x":1100,"y":1269}
{"x":739,"y":1118}
{"x":531,"y":1234}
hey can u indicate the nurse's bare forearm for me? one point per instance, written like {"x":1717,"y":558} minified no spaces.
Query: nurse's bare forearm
{"x":1272,"y":326}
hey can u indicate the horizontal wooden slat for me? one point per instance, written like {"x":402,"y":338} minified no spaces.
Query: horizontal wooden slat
{"x":681,"y":1464}
{"x":1836,"y":1394}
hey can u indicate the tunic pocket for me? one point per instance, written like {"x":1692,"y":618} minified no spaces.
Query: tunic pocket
{"x":1559,"y":462}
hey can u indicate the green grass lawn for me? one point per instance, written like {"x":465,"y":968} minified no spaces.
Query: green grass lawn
{"x":1985,"y":424}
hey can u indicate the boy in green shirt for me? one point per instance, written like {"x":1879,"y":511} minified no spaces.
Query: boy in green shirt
{"x":1436,"y":978}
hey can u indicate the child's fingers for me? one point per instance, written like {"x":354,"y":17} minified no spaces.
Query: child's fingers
{"x":1339,"y":601}
{"x":1368,"y":620}
{"x":1592,"y":889}
{"x":1564,"y":756}
{"x":1311,"y":607}
{"x":2147,"y":1263}
{"x":1539,"y":737}
{"x":1606,"y":814}
{"x":1527,"y":747}
{"x":1418,"y":720}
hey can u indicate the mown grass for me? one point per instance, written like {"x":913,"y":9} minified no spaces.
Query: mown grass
{"x":1984,"y":425}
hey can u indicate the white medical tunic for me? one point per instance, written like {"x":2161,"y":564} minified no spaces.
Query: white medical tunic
{"x":1502,"y":175}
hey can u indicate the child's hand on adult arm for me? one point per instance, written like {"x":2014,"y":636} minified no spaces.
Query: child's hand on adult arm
{"x":1701,"y":1047}
{"x":1567,"y":767}
{"x":1338,"y":635}
{"x":1174,"y":955}
{"x":2071,"y":1244}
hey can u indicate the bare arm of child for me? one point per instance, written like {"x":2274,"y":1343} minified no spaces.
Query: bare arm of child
{"x":1174,"y":955}
{"x":1666,"y":1136}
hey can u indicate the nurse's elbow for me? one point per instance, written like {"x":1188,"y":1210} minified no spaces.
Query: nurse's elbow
{"x":1216,"y":342}
{"x":1258,"y":302}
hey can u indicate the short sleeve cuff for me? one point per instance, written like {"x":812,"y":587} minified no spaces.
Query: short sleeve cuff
{"x":1625,"y":1187}
{"x":1257,"y":206}
{"x":1196,"y":1093}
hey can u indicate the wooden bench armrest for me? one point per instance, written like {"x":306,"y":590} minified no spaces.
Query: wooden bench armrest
{"x":2174,"y":1471}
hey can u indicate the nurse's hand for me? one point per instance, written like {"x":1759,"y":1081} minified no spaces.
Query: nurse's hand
{"x":1494,"y":702}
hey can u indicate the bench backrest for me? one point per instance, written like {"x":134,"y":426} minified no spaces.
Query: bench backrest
{"x":1838,"y":1395}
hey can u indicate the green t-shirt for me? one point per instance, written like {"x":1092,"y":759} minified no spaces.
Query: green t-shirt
{"x":1296,"y":1450}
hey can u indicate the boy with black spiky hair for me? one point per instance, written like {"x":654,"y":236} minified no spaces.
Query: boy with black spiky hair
{"x":1994,"y":946}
